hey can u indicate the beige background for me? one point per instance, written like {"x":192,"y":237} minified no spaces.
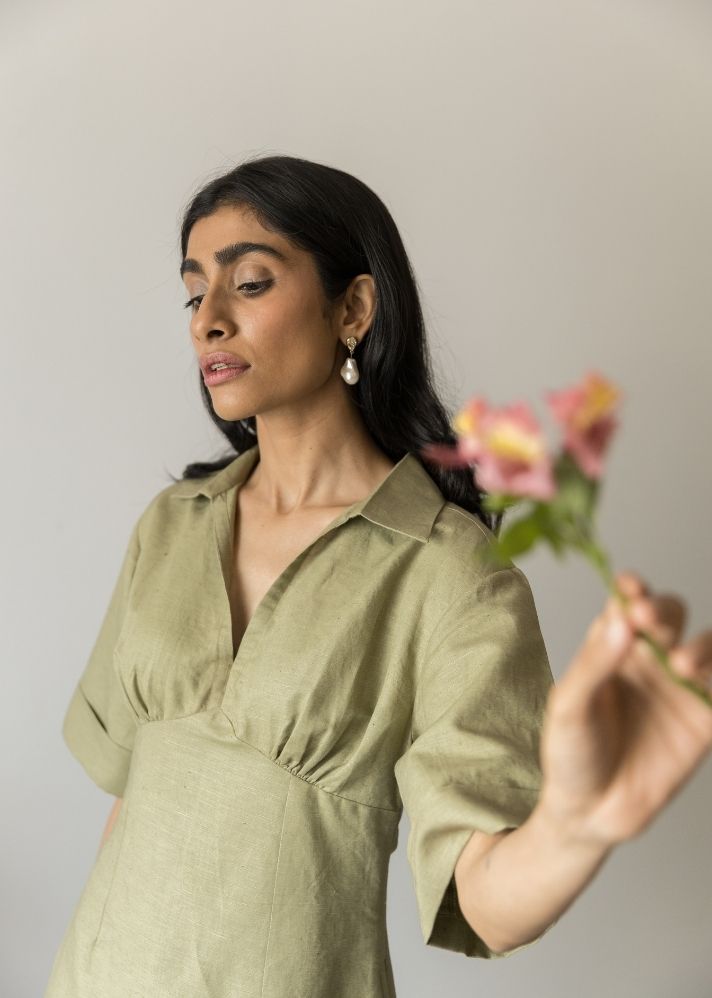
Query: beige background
{"x":549,"y":166}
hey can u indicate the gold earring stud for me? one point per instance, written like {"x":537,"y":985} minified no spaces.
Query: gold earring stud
{"x":349,"y":369}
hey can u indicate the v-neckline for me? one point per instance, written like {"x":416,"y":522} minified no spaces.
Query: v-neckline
{"x":223,"y":512}
{"x":224,"y":526}
{"x":279,"y":580}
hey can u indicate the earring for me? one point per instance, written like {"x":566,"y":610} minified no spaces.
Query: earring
{"x":349,"y":370}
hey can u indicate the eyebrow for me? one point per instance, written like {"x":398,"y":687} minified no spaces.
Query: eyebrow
{"x":228,"y":254}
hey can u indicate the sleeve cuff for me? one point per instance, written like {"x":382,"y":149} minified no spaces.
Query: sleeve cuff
{"x":106,"y":762}
{"x":441,"y":919}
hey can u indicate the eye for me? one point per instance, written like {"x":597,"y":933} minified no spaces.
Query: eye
{"x":256,"y":288}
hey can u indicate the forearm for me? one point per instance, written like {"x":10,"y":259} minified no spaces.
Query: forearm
{"x":526,"y":881}
{"x":113,"y":814}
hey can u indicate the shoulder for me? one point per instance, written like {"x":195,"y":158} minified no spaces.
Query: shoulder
{"x":459,"y":524}
{"x":175,"y":505}
{"x":458,"y":570}
{"x":458,"y":542}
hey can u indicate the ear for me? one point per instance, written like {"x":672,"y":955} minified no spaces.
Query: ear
{"x":358,"y":309}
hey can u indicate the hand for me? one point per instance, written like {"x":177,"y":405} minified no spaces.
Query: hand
{"x":620,"y":737}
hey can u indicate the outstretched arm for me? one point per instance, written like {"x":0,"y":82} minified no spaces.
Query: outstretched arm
{"x":513,"y":885}
{"x":619,"y":741}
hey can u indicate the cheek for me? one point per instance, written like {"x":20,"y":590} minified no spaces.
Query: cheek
{"x":292,"y":344}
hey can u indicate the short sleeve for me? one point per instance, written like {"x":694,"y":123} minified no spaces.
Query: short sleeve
{"x":99,"y":724}
{"x":473,"y":760}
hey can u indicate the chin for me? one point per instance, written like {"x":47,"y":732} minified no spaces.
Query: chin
{"x":230,"y":415}
{"x":227,"y":408}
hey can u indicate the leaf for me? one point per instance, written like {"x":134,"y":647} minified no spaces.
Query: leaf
{"x":548,"y":525}
{"x":500,"y":501}
{"x":576,"y":494}
{"x":519,"y":536}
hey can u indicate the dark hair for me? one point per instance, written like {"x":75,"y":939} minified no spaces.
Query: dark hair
{"x":349,"y":231}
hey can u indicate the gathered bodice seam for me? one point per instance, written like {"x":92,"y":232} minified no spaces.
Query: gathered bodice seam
{"x":312,"y":783}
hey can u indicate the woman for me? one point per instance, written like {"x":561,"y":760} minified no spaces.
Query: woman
{"x":304,"y":639}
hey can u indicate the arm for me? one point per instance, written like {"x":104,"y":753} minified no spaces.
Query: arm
{"x":513,"y":885}
{"x":113,"y":815}
{"x":619,"y":740}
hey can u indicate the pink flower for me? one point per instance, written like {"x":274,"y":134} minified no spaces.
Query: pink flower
{"x":507,"y":446}
{"x":586,"y":414}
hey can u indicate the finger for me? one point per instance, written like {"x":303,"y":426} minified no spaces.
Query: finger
{"x":630,"y":584}
{"x":663,"y":616}
{"x":604,"y":648}
{"x":693,"y":660}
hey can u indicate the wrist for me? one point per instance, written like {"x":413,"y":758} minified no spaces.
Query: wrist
{"x":569,"y":833}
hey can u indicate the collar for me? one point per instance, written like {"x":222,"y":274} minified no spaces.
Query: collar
{"x":407,"y":500}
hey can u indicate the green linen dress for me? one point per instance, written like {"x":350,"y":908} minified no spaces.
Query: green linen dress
{"x":388,"y":667}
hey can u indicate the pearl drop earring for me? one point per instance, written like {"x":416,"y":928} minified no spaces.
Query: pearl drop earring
{"x":349,"y":369}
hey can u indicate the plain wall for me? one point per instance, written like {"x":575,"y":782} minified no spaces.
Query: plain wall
{"x":549,"y":167}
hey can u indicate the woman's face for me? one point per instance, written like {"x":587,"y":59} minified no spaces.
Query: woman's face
{"x":269,"y":310}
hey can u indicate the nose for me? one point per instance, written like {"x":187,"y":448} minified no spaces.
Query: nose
{"x":212,"y":318}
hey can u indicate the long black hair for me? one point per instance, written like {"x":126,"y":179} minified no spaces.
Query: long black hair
{"x":349,"y":231}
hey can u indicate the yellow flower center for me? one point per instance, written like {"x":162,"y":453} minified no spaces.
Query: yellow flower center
{"x":465,"y":423}
{"x":510,"y":441}
{"x":600,"y":398}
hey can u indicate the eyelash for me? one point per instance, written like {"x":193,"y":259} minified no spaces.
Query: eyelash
{"x":260,"y":285}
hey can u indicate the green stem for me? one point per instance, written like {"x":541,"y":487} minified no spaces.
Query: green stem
{"x":599,"y":559}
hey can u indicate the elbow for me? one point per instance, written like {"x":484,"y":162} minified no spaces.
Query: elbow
{"x":499,"y":945}
{"x":476,"y":922}
{"x":496,"y":945}
{"x":493,"y":944}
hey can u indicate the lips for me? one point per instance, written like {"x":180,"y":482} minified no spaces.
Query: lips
{"x":222,"y":357}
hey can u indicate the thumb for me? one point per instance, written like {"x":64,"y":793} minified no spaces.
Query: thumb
{"x":603,"y":649}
